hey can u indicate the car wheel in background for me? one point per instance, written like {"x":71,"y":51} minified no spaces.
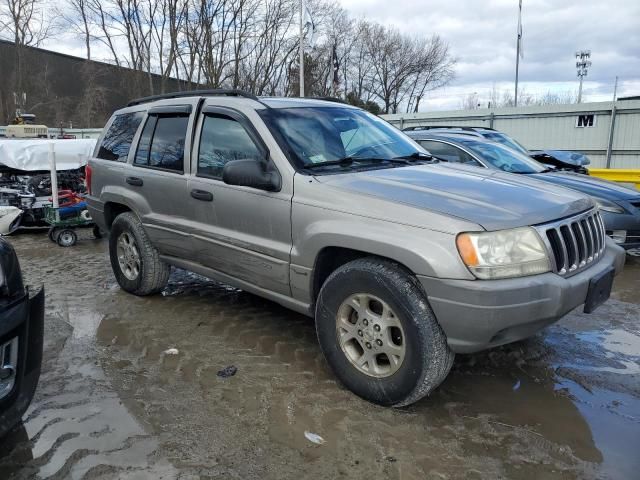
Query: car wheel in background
{"x":53,"y":234}
{"x":135,"y":261}
{"x":379,"y":334}
{"x":66,"y":237}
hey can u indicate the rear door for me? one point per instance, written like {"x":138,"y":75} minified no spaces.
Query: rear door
{"x":158,"y":177}
{"x":242,"y":232}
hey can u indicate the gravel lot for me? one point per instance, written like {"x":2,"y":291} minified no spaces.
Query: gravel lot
{"x":115,"y":402}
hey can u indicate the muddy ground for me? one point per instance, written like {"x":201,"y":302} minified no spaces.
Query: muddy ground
{"x":113,"y":403}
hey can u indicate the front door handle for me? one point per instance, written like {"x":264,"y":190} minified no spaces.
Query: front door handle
{"x":135,"y":181}
{"x":202,"y":195}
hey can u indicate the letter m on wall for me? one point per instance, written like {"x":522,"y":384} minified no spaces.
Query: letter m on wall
{"x":583,"y":121}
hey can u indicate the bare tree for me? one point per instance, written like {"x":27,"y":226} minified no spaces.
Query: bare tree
{"x":23,"y":21}
{"x":76,"y":15}
{"x":435,"y":69}
{"x":471,"y":101}
{"x":248,"y":44}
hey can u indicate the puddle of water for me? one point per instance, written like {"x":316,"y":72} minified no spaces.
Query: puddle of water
{"x":626,"y":286}
{"x":614,"y":340}
{"x":614,"y":421}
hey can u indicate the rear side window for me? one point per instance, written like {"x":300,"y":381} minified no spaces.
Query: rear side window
{"x":162,"y":143}
{"x":223,"y":139}
{"x":117,"y":141}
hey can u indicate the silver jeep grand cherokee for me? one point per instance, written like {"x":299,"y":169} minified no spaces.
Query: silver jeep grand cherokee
{"x":332,"y":212}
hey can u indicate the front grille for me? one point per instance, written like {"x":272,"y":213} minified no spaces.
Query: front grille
{"x":575,"y":242}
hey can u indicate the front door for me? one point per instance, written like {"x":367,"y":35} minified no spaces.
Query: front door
{"x":239,"y":231}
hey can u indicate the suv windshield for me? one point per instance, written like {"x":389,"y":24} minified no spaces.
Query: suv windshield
{"x":505,"y":140}
{"x":319,"y":135}
{"x":504,"y":158}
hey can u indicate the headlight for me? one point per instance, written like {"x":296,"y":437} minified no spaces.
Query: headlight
{"x":503,"y":254}
{"x":608,"y":206}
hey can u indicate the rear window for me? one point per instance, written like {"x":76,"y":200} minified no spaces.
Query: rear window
{"x":117,"y":141}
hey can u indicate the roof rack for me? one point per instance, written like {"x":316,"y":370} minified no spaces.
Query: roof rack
{"x":198,"y":93}
{"x":330,"y":99}
{"x":434,"y":127}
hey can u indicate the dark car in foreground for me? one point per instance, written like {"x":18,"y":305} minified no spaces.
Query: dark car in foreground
{"x":558,"y":159}
{"x":619,"y":205}
{"x":21,"y":338}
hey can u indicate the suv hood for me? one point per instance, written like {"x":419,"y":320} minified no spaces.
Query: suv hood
{"x":596,"y":187}
{"x":491,"y":199}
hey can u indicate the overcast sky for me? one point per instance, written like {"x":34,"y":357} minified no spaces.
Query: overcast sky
{"x":482,"y":36}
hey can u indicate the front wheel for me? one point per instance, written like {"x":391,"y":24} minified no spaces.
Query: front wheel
{"x":135,"y":261}
{"x":379,"y":335}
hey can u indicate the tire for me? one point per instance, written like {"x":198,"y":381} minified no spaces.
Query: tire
{"x":152,"y":273}
{"x":66,"y":237}
{"x":53,"y":234}
{"x":96,"y":232}
{"x":408,"y":322}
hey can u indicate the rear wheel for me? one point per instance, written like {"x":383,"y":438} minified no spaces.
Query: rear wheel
{"x":379,"y":334}
{"x":53,"y":234}
{"x":66,"y":238}
{"x":135,"y":261}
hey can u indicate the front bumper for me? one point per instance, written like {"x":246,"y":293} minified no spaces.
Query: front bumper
{"x":480,"y":314}
{"x":23,"y":319}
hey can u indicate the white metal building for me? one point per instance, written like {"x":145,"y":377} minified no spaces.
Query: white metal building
{"x":608,"y":132}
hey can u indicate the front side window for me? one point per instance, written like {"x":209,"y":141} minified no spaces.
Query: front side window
{"x":315,"y":135}
{"x":162,"y":143}
{"x":223,"y":139}
{"x":117,"y":141}
{"x":450,"y":153}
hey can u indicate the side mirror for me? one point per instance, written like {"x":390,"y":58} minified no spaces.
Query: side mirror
{"x":251,"y":173}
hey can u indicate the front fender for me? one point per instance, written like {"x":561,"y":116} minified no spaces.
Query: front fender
{"x":422,"y":251}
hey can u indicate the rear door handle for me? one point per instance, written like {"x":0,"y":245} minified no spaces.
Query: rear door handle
{"x":135,"y":181}
{"x":202,"y":195}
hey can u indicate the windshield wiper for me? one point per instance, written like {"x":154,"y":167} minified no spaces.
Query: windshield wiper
{"x":345,"y":162}
{"x":349,"y":161}
{"x":419,"y":156}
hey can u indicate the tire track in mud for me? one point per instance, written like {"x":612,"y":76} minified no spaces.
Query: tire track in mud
{"x":252,"y":425}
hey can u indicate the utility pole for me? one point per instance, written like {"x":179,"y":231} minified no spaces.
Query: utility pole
{"x":615,"y":89}
{"x":518,"y":50}
{"x":582,"y":65}
{"x":301,"y":48}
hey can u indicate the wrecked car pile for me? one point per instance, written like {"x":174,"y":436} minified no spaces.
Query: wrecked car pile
{"x":25,"y":178}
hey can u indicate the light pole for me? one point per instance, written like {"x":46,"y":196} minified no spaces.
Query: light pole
{"x":518,"y":50}
{"x":582,"y":65}
{"x":301,"y":48}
